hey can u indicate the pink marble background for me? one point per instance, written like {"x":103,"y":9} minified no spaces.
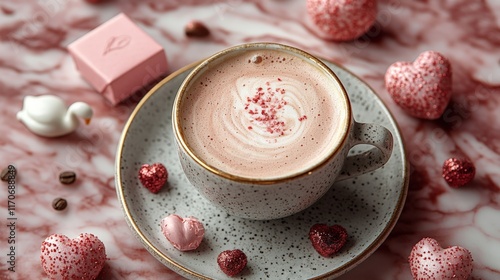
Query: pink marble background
{"x":34,"y":61}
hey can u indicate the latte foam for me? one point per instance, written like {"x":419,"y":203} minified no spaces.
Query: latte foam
{"x":263,"y":114}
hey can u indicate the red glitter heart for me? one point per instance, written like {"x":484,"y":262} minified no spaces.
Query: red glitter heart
{"x":342,"y":20}
{"x":421,"y":88}
{"x":232,"y":262}
{"x":153,"y":177}
{"x":196,"y":29}
{"x":458,"y":172}
{"x":80,"y":258}
{"x":429,"y":261}
{"x":327,"y":240}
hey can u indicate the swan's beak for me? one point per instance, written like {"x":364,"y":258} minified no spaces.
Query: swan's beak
{"x":87,"y":121}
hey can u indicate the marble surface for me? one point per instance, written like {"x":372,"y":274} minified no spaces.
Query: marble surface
{"x":34,"y":61}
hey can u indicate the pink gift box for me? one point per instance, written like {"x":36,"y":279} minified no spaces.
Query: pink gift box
{"x":118,"y":59}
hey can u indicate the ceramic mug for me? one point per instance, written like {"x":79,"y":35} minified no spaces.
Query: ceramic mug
{"x":256,"y":77}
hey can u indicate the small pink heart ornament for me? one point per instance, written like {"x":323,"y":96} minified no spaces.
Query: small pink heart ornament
{"x":422,"y":88}
{"x":428,"y":260}
{"x":80,"y":258}
{"x":185,"y":234}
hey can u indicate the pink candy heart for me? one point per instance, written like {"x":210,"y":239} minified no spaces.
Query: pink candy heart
{"x":422,"y":88}
{"x":80,"y":258}
{"x":429,"y":261}
{"x":184,"y":234}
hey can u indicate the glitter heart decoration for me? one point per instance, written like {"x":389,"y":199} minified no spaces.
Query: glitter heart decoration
{"x":80,"y":258}
{"x":428,"y":260}
{"x":342,"y":20}
{"x":116,"y":42}
{"x":232,"y":262}
{"x":458,"y":172}
{"x":421,"y":88}
{"x":153,"y":176}
{"x":327,"y":240}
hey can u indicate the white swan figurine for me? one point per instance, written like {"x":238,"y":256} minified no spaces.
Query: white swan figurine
{"x":47,"y":115}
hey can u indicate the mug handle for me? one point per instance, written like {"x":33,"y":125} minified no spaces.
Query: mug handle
{"x":371,"y":134}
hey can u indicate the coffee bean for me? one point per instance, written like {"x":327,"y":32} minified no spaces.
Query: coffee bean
{"x":67,"y":177}
{"x":5,"y":174}
{"x":196,"y":29}
{"x":59,"y":204}
{"x":9,"y":173}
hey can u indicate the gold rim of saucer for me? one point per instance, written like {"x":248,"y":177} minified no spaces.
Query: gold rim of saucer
{"x":346,"y":126}
{"x":178,"y":267}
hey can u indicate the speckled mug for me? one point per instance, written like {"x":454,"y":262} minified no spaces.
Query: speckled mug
{"x":262,"y":199}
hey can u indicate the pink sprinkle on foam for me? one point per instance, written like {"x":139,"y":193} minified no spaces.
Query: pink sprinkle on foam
{"x":265,"y":106}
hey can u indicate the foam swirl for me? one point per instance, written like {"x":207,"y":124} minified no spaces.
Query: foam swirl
{"x":274,"y":120}
{"x":268,"y":112}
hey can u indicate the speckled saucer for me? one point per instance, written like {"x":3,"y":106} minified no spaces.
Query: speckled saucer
{"x":368,"y":206}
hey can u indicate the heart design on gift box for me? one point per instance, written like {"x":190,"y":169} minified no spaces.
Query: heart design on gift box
{"x":421,"y":88}
{"x":428,"y":260}
{"x":184,"y":234}
{"x":80,"y":258}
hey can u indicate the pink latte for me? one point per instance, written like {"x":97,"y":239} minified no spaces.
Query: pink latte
{"x":263,"y":114}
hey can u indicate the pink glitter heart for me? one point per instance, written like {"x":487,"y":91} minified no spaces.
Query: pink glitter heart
{"x":429,"y":261}
{"x":421,"y":88}
{"x":342,"y":20}
{"x":80,"y":258}
{"x":184,"y":234}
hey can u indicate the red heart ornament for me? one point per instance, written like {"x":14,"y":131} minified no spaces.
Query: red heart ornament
{"x":428,"y":260}
{"x":421,"y":88}
{"x":327,"y":240}
{"x":232,"y":262}
{"x":80,"y":258}
{"x":153,"y":176}
{"x":458,"y":172}
{"x":184,"y":234}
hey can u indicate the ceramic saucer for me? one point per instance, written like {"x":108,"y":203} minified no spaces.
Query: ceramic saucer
{"x":368,"y":206}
